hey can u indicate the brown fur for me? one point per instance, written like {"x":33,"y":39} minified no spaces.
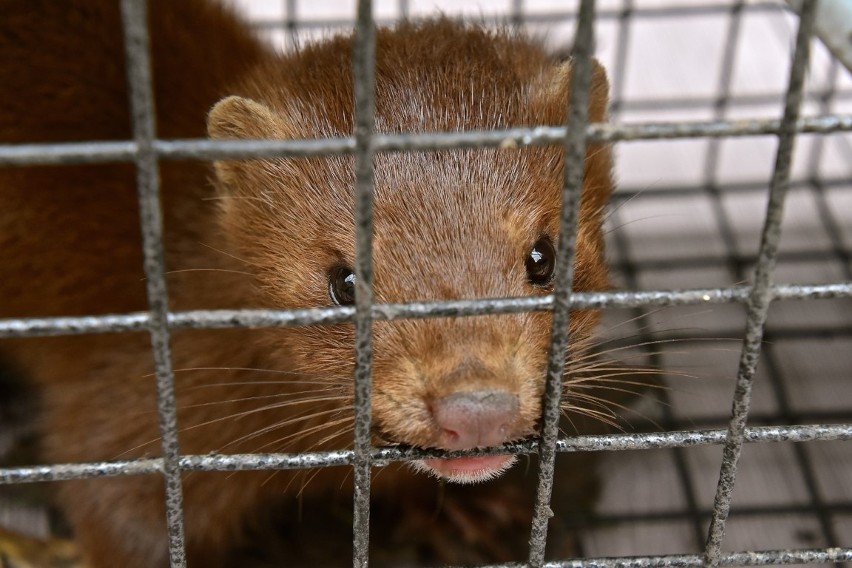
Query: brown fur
{"x":450,"y":224}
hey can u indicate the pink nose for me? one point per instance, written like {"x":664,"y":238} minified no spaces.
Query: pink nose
{"x":475,"y":419}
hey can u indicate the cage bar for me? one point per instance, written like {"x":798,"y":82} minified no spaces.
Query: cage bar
{"x":761,"y":294}
{"x":101,"y":152}
{"x":563,"y":274}
{"x":256,"y":318}
{"x":307,"y":460}
{"x":135,"y":21}
{"x":364,"y":62}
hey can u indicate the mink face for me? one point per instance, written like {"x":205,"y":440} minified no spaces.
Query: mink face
{"x":458,"y":224}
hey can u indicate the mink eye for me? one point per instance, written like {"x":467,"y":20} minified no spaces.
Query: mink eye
{"x":540,"y":262}
{"x":341,"y":285}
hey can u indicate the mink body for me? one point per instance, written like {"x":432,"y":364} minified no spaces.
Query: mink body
{"x":270,"y":233}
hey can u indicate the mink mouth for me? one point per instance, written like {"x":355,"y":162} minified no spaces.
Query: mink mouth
{"x":466,"y":469}
{"x":462,"y":469}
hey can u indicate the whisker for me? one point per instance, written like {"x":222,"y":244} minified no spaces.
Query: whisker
{"x":571,"y":422}
{"x":230,"y":271}
{"x":349,"y":471}
{"x":307,"y":481}
{"x":346,"y":421}
{"x":296,"y":436}
{"x":599,"y":384}
{"x":604,"y":402}
{"x":650,"y":343}
{"x":331,"y":437}
{"x":641,"y":316}
{"x":644,"y":396}
{"x":635,"y":395}
{"x":614,"y":228}
{"x":233,"y":369}
{"x":620,"y":372}
{"x":298,"y":474}
{"x":613,"y":210}
{"x":259,"y":383}
{"x":595,"y":415}
{"x":279,"y":424}
{"x":595,"y":401}
{"x":590,"y":369}
{"x":220,"y":251}
{"x":239,"y":415}
{"x":284,"y":404}
{"x":645,"y":329}
{"x":265,"y":408}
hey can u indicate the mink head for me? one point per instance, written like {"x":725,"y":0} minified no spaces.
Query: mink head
{"x":449,"y":224}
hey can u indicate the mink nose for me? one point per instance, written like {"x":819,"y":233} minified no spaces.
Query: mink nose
{"x":475,"y":419}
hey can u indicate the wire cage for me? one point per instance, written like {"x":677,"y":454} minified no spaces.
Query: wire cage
{"x":729,"y":241}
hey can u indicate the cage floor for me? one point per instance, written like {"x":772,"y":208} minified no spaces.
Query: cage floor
{"x":688,"y":214}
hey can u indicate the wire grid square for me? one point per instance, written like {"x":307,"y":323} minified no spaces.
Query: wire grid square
{"x":728,"y":260}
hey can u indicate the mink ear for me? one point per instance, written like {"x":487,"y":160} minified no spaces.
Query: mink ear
{"x":241,"y":118}
{"x":237,"y":117}
{"x":557,"y":90}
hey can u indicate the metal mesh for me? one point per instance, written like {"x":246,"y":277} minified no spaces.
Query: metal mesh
{"x":789,"y":424}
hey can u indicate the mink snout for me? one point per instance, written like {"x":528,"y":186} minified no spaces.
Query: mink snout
{"x":475,"y":419}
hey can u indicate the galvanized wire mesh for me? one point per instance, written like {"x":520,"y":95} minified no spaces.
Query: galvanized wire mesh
{"x":145,"y":150}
